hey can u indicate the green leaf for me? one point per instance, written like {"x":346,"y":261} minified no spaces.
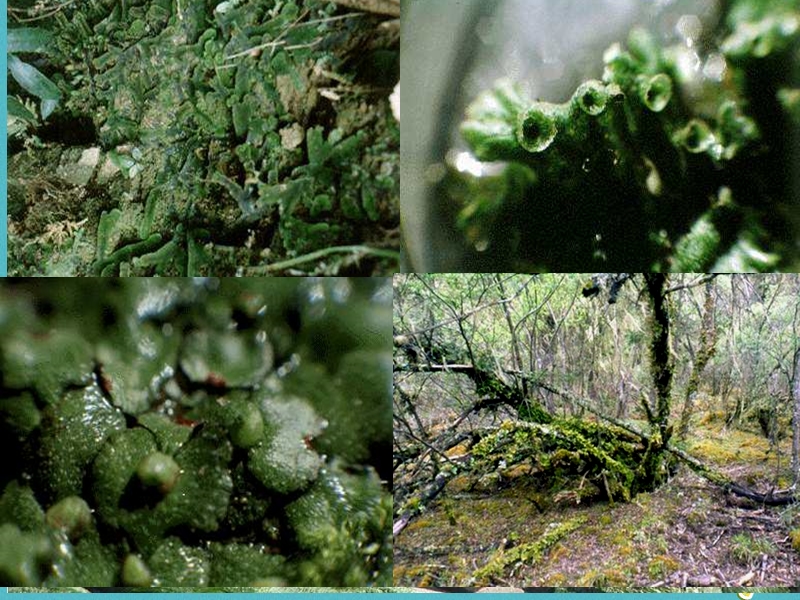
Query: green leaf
{"x":285,"y":463}
{"x":32,"y":80}
{"x":318,"y":149}
{"x":73,"y":431}
{"x":107,"y":232}
{"x":19,"y":110}
{"x":28,"y":39}
{"x":179,"y":565}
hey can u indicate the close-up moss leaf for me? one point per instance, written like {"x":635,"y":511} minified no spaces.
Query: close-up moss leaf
{"x":164,"y":432}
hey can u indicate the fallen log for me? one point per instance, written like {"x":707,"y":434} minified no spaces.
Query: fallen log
{"x":433,"y":490}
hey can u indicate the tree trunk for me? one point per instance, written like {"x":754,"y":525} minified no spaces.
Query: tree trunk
{"x":661,"y":373}
{"x":708,"y":346}
{"x":515,"y":351}
{"x":796,"y":419}
{"x":660,"y":359}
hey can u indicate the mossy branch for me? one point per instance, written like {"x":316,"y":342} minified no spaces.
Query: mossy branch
{"x":524,"y":554}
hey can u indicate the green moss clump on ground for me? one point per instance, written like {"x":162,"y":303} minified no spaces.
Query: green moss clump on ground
{"x":215,"y":474}
{"x":526,"y":554}
{"x":657,"y":167}
{"x":211,"y":138}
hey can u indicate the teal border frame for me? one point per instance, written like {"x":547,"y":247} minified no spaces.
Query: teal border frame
{"x":4,"y":160}
{"x":403,"y":595}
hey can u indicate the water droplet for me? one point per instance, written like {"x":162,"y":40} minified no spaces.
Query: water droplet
{"x":482,"y":245}
{"x":586,"y":166}
{"x":715,"y":67}
{"x":689,"y":27}
{"x":688,"y":66}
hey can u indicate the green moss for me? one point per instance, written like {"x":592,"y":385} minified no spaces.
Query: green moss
{"x":174,"y":564}
{"x":73,"y":431}
{"x":285,"y":461}
{"x":648,"y":146}
{"x":794,"y":535}
{"x":525,"y":554}
{"x":18,"y":505}
{"x":87,"y":562}
{"x":196,"y":482}
{"x":190,"y":108}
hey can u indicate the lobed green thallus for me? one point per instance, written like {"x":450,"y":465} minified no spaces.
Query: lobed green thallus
{"x":195,"y":433}
{"x":656,"y":166}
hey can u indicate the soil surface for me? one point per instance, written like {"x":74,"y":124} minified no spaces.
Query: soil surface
{"x":687,"y":533}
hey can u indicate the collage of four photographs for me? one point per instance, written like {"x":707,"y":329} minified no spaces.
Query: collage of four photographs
{"x":200,"y":399}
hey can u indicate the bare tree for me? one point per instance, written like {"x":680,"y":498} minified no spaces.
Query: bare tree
{"x":708,"y":345}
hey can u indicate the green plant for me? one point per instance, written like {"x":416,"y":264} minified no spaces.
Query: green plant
{"x":194,"y":432}
{"x":662,"y":565}
{"x":645,"y":167}
{"x":29,"y":40}
{"x":224,"y":147}
{"x":745,"y":548}
{"x":525,"y":554}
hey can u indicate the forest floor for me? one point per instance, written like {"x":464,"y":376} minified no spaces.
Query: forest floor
{"x":179,"y":148}
{"x":685,"y":533}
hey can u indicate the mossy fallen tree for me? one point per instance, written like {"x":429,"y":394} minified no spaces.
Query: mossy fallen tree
{"x":609,"y":461}
{"x":567,"y":459}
